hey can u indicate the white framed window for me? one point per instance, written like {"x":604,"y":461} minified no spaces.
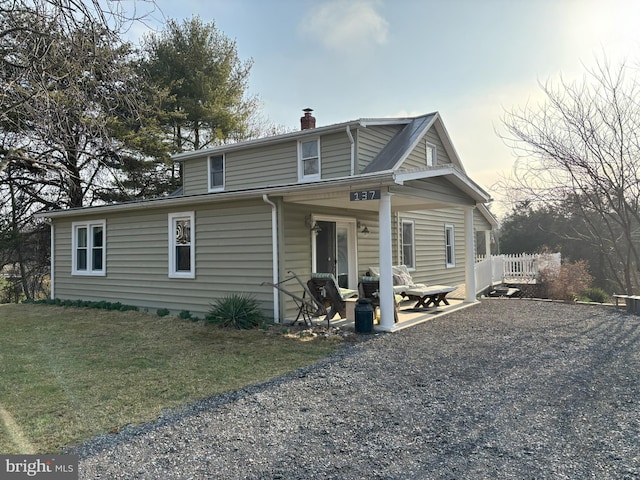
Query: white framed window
{"x":216,"y":173}
{"x":408,"y":244}
{"x":431,"y":154}
{"x":449,"y":245}
{"x":309,"y":159}
{"x":182,"y":245}
{"x":89,"y":246}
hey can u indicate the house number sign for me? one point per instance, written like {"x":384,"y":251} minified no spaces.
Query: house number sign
{"x":361,"y":195}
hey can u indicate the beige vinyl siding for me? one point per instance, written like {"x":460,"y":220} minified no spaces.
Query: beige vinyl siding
{"x":371,"y":140}
{"x":368,"y":254}
{"x":439,"y":190}
{"x":417,"y":158}
{"x":251,"y":168}
{"x":480,"y":223}
{"x":296,"y":254}
{"x":335,"y":155}
{"x":262,"y":166}
{"x":430,"y":246}
{"x":194,"y":176}
{"x":233,"y":255}
{"x":269,"y":165}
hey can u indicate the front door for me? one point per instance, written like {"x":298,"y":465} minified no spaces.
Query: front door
{"x":335,"y":251}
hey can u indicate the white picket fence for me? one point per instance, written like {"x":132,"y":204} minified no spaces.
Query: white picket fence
{"x":522,"y":268}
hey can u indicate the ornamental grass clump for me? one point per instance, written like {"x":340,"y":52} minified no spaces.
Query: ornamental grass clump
{"x":237,"y":311}
{"x":597,"y":295}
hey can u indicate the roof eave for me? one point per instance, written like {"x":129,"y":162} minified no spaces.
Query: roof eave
{"x":385,"y":177}
{"x":460,"y":180}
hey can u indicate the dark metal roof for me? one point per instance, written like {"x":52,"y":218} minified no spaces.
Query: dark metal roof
{"x":399,"y":145}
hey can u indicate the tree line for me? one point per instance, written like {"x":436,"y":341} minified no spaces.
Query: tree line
{"x":88,"y":118}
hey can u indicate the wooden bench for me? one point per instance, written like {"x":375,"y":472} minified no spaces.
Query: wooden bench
{"x":428,"y":295}
{"x":632,"y":302}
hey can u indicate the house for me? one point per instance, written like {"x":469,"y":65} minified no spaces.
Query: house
{"x":336,"y":198}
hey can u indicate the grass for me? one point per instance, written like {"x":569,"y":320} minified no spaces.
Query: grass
{"x":68,"y":374}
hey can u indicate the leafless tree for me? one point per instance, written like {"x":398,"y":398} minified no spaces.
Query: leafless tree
{"x":33,"y":35}
{"x":64,"y":77}
{"x":582,"y":146}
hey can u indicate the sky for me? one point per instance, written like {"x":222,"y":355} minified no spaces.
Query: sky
{"x":469,"y":60}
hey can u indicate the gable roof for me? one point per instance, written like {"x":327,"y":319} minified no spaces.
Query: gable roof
{"x":382,"y":170}
{"x":394,"y":152}
{"x":285,"y":137}
{"x":402,"y":144}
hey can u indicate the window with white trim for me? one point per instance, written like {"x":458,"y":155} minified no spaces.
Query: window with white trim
{"x":408,"y":244}
{"x":449,"y":242}
{"x":431,"y":154}
{"x":89,"y":248}
{"x":182,"y":245}
{"x":309,"y":159}
{"x":216,"y":173}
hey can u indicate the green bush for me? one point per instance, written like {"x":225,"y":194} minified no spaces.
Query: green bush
{"x":101,"y":305}
{"x":237,"y":311}
{"x":162,"y":312}
{"x":185,"y":315}
{"x":597,"y":295}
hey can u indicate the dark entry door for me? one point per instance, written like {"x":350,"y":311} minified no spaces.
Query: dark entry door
{"x":326,"y":248}
{"x":332,"y":250}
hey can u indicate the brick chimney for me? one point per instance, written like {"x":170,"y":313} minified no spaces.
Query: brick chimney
{"x":308,"y":121}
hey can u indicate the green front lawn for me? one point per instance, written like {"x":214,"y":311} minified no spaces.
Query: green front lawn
{"x":67,"y":374}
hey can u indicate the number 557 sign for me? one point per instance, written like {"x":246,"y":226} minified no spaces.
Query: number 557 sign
{"x":361,"y":195}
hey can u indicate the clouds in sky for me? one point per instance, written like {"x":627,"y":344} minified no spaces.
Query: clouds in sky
{"x":468,"y":59}
{"x":346,"y":23}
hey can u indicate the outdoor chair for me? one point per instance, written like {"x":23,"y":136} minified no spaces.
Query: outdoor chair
{"x":325,"y":291}
{"x":369,"y":287}
{"x":402,"y":279}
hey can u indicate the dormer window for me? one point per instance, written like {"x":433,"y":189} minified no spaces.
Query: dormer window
{"x":431,"y":154}
{"x":309,"y":160}
{"x":216,"y":173}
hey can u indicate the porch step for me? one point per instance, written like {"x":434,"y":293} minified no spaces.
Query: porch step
{"x":505,"y":292}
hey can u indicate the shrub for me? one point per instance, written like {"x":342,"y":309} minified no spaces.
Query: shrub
{"x":238,"y":311}
{"x":566,"y":282}
{"x":185,"y":315}
{"x":101,"y":305}
{"x":597,"y":295}
{"x":163,"y":312}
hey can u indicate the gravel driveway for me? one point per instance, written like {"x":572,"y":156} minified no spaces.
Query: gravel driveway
{"x":505,"y":389}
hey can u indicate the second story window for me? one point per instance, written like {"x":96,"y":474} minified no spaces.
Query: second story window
{"x":309,"y":160}
{"x":431,"y":154}
{"x":216,"y":173}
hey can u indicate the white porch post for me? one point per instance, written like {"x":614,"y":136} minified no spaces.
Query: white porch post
{"x":470,"y":272}
{"x":386,"y":273}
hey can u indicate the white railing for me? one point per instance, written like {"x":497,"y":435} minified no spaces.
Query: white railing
{"x":522,"y":268}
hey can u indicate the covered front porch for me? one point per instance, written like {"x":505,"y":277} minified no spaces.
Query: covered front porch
{"x":380,"y":200}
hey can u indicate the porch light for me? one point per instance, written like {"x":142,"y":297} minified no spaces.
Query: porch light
{"x":365,"y":230}
{"x":312,"y":224}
